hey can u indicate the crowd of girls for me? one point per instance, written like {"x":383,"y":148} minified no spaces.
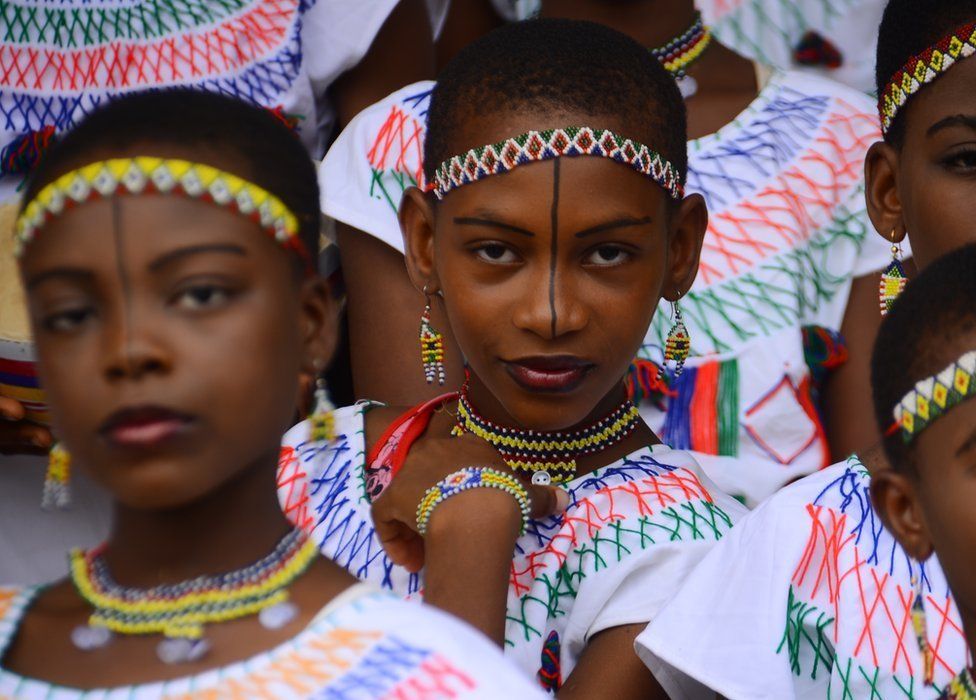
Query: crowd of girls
{"x":655,"y":289}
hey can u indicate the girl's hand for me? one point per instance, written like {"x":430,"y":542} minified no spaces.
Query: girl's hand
{"x":429,"y":461}
{"x":18,"y":436}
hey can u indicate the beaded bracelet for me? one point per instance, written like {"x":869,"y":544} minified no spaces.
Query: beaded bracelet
{"x":464,"y":480}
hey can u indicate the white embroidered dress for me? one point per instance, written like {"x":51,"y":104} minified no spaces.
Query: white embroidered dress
{"x":633,"y":532}
{"x":364,"y":645}
{"x":809,"y":597}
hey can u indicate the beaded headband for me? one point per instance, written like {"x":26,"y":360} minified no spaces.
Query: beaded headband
{"x":933,"y":397}
{"x":923,"y":69}
{"x":148,"y":174}
{"x":535,"y":146}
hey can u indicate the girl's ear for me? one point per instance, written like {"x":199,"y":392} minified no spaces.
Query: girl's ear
{"x":896,"y":501}
{"x":883,"y":200}
{"x":417,"y":226}
{"x":319,"y":324}
{"x":689,"y":223}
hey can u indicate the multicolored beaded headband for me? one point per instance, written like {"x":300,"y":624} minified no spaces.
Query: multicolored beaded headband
{"x":148,"y":174}
{"x":536,"y":146}
{"x":923,"y":69}
{"x":933,"y":397}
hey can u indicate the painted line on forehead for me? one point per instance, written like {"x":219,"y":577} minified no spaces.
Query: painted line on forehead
{"x":124,"y":281}
{"x":554,"y":246}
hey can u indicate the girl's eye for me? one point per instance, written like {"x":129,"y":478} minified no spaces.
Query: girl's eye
{"x":68,"y":320}
{"x":496,"y":253}
{"x":962,"y":160}
{"x":607,"y":256}
{"x":202,"y":296}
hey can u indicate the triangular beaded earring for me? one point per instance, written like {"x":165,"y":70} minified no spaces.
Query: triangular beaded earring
{"x":677,"y":346}
{"x":893,"y":279}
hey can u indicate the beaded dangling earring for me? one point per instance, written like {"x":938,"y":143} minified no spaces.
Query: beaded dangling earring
{"x":322,"y":421}
{"x":893,"y":279}
{"x":678,"y":343}
{"x":57,"y":480}
{"x":920,"y":626}
{"x":431,"y":346}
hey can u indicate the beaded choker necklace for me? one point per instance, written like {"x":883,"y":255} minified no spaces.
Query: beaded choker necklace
{"x":179,"y":611}
{"x":550,"y":457}
{"x":678,"y":54}
{"x":962,"y":687}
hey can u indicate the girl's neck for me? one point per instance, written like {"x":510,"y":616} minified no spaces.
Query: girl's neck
{"x":228,"y":529}
{"x":489,"y":407}
{"x":726,"y":81}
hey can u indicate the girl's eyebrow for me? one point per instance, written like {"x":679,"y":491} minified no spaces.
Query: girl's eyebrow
{"x":955,"y":120}
{"x":616,"y":223}
{"x":77,"y":273}
{"x":477,"y":221}
{"x":174,"y":255}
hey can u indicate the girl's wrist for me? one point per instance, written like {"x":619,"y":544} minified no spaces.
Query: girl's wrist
{"x":477,"y":515}
{"x":492,"y":486}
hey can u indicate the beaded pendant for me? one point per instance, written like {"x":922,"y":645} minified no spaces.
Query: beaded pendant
{"x":57,"y":480}
{"x":681,"y":52}
{"x":893,"y":281}
{"x":920,"y":627}
{"x":322,"y":420}
{"x":431,"y":350}
{"x":179,"y":611}
{"x":549,"y":456}
{"x":677,"y":345}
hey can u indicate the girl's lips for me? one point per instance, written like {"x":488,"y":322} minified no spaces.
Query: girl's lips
{"x":548,"y":374}
{"x":144,"y":426}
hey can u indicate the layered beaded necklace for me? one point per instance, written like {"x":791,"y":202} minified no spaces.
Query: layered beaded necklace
{"x":961,"y":687}
{"x":179,"y":611}
{"x":549,"y":456}
{"x":678,"y":54}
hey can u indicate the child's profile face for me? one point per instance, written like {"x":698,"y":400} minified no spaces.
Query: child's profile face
{"x":946,"y":493}
{"x":931,"y":507}
{"x":936,"y":170}
{"x":170,"y":335}
{"x":551,"y":274}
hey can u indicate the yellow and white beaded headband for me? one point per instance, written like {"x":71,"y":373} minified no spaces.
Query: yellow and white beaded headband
{"x":150,"y":174}
{"x":536,"y":146}
{"x":923,"y":69}
{"x":935,"y":396}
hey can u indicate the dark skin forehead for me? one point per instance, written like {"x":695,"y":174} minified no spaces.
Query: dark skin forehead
{"x":950,"y":95}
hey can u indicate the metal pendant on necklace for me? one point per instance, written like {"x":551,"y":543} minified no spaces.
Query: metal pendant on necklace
{"x":688,"y":86}
{"x":178,"y":650}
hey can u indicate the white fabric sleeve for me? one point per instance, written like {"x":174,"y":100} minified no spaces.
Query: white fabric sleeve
{"x":337,"y":34}
{"x":637,"y":587}
{"x":725,"y":624}
{"x":375,"y":158}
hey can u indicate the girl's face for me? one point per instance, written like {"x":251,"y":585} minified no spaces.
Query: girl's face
{"x":171,"y":334}
{"x":927,"y":189}
{"x":550,"y":274}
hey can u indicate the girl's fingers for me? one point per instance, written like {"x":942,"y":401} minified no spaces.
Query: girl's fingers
{"x":547,"y":500}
